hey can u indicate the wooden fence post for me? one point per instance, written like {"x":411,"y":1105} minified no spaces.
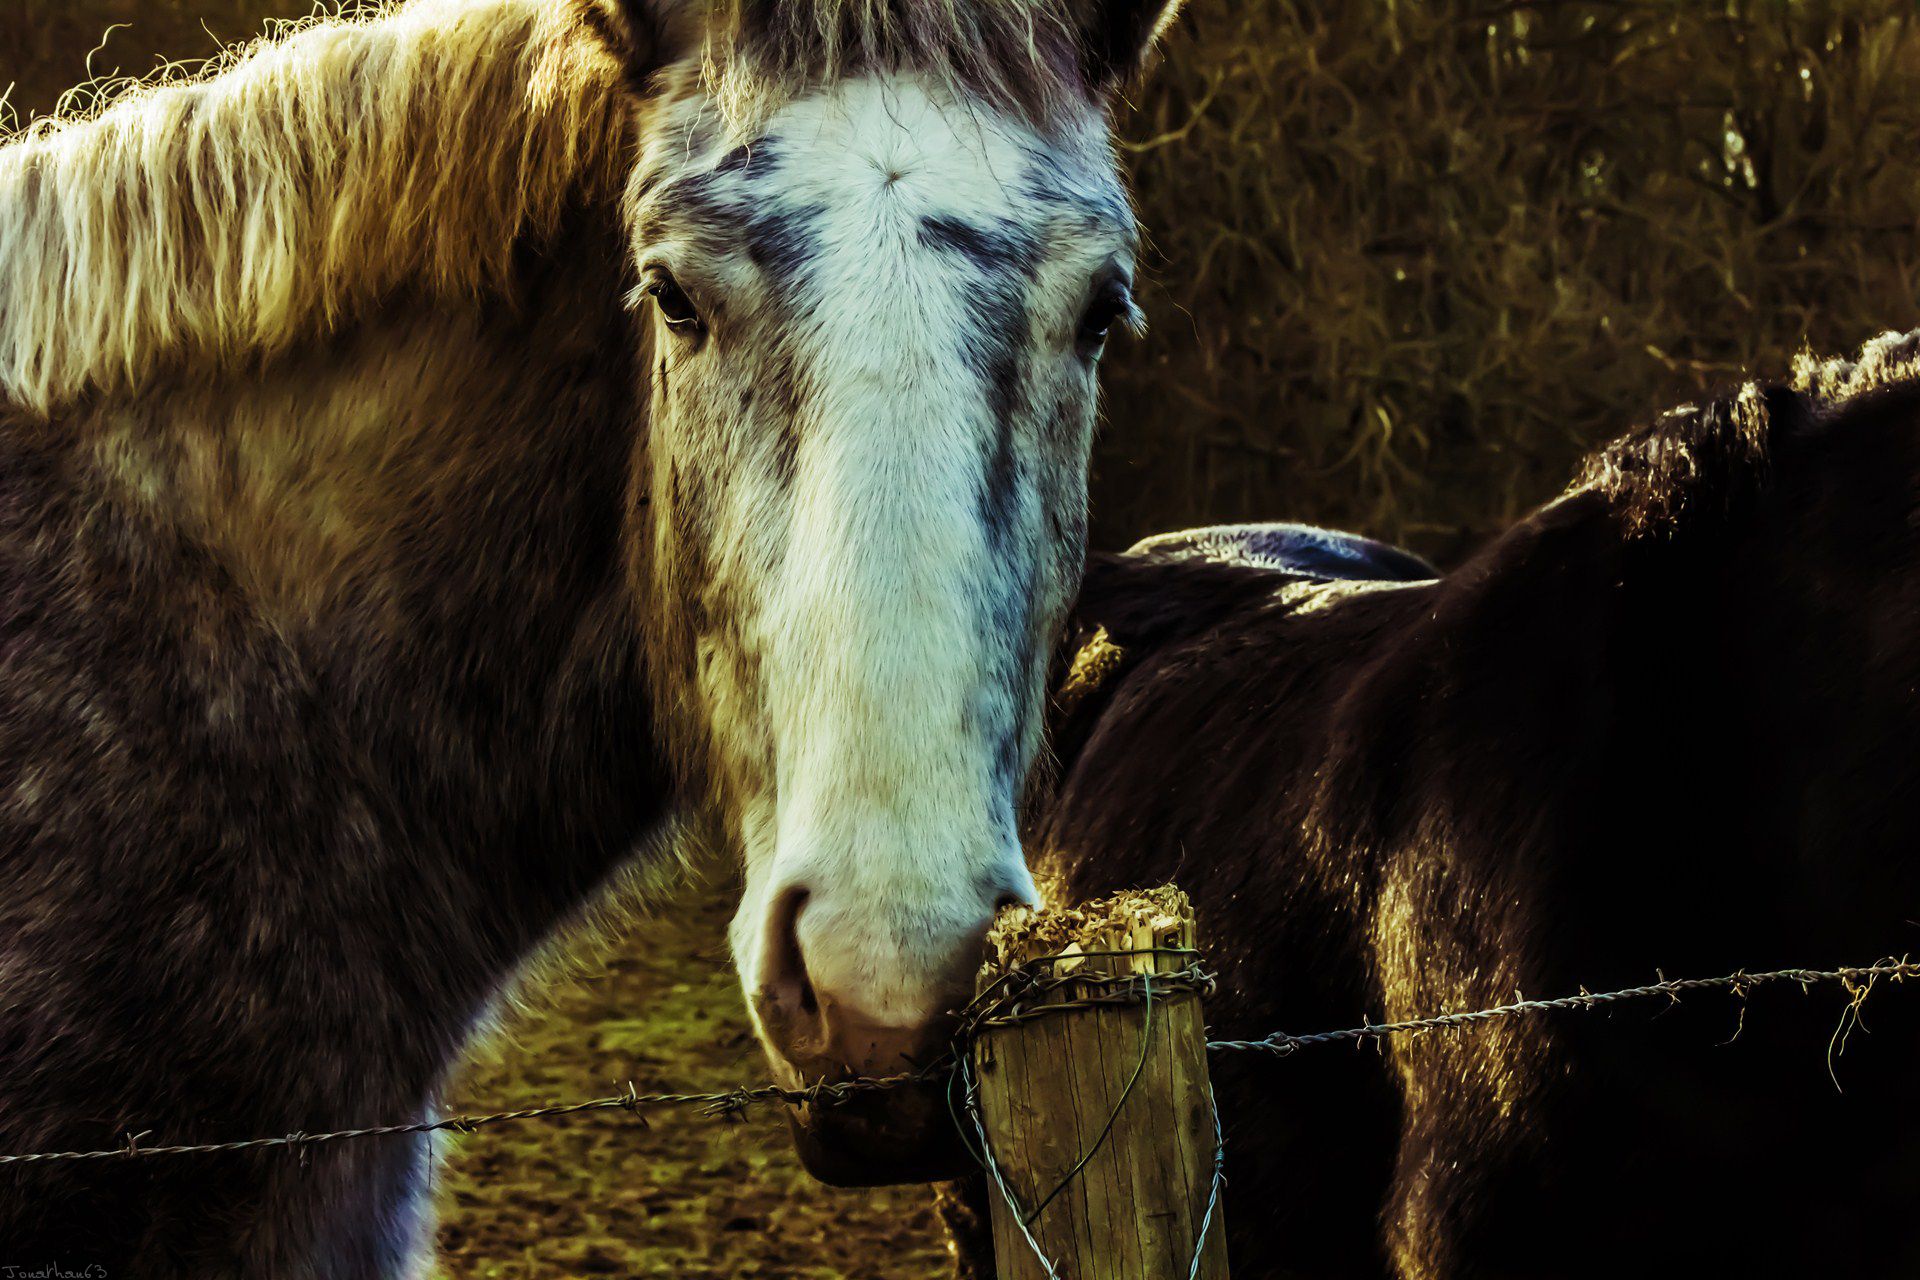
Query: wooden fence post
{"x":1099,"y":1120}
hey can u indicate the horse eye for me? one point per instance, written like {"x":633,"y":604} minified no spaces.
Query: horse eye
{"x":675,"y":307}
{"x":1112,"y":304}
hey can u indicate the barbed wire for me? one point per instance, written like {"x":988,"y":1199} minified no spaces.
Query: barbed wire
{"x":1006,"y":1002}
{"x":724,"y":1102}
{"x":1739,"y":982}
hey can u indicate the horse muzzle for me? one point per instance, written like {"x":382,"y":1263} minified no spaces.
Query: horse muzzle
{"x":868,"y":1137}
{"x":817,"y":1036}
{"x":902,"y":1134}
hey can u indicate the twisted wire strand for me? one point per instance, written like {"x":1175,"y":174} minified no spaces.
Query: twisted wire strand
{"x":1005,"y":1003}
{"x":986,"y":1158}
{"x":1214,"y":1188}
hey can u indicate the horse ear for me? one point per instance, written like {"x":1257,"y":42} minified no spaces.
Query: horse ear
{"x":1117,"y":37}
{"x":642,"y":35}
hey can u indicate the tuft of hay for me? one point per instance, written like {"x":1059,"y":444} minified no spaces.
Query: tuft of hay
{"x":1131,"y":918}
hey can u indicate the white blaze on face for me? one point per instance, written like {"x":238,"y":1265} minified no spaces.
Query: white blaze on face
{"x":869,"y":451}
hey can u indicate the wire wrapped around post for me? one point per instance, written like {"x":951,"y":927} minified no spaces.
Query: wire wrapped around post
{"x":1087,"y":1089}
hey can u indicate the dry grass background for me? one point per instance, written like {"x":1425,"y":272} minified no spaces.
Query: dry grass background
{"x":685,"y":1197}
{"x":1414,"y":256}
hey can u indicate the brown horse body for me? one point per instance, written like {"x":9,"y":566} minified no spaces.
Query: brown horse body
{"x":1669,"y":723}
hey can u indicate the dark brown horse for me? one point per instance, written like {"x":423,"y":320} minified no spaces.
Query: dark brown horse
{"x":381,"y":578}
{"x":1668,"y":723}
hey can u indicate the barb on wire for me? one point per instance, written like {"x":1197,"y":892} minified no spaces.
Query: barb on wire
{"x":1004,"y":1003}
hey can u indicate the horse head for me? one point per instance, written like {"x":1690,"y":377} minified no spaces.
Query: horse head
{"x":883,"y":247}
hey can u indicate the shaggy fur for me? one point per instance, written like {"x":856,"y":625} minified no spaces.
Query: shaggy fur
{"x":1666,"y":724}
{"x":230,"y":219}
{"x":368,"y":609}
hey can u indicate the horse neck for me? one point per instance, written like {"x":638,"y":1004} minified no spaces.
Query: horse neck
{"x":424,"y":514}
{"x":298,"y":318}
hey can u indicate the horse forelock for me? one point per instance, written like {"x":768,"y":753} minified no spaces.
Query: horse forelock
{"x":1025,"y":57}
{"x":291,"y":184}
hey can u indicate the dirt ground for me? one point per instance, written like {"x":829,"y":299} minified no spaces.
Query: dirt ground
{"x":683,"y":1196}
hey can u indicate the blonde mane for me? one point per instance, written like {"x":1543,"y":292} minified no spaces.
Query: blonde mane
{"x":298,"y":182}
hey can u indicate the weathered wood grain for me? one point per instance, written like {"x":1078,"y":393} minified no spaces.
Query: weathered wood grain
{"x":1051,"y":1087}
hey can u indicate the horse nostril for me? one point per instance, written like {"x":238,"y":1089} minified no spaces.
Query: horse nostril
{"x":838,"y":993}
{"x":786,"y":971}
